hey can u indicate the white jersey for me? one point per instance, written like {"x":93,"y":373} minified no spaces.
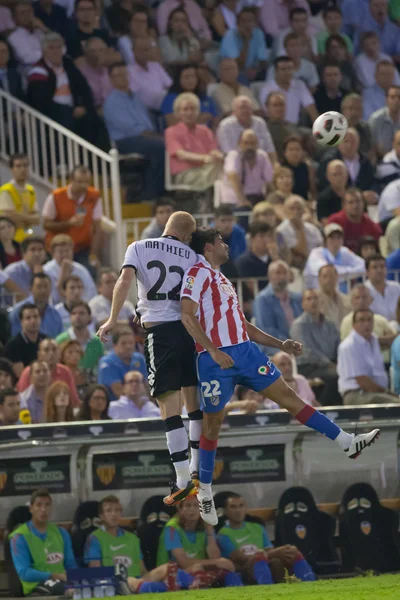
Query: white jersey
{"x":160,"y":265}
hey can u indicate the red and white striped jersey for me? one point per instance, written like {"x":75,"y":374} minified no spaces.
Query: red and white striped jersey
{"x":219,"y":311}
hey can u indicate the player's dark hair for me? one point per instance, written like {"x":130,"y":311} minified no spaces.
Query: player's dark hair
{"x":27,"y":306}
{"x":33,"y":239}
{"x":374,"y":258}
{"x":223,"y":210}
{"x":203,"y":236}
{"x":259,"y":227}
{"x":164,"y":202}
{"x":119,"y":334}
{"x":40,"y":493}
{"x":17,"y":156}
{"x":361,"y":310}
{"x":7,"y":392}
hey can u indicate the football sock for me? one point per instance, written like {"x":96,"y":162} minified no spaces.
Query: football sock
{"x":262,"y":573}
{"x":177,"y":442}
{"x":233,"y":580}
{"x":207,"y":452}
{"x":195,"y":425}
{"x":183,"y":579}
{"x":302,"y":569}
{"x":151,"y":587}
{"x":319,"y":422}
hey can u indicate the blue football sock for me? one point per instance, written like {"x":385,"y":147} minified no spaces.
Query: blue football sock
{"x":183,"y":579}
{"x":262,"y":573}
{"x":207,"y":453}
{"x":303,"y":571}
{"x":233,"y":580}
{"x":151,"y":587}
{"x":319,"y":422}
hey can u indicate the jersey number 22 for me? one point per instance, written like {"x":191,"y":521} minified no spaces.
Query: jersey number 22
{"x":174,"y":293}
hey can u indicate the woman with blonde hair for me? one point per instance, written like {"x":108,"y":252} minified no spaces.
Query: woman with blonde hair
{"x":282,"y":181}
{"x":58,"y":403}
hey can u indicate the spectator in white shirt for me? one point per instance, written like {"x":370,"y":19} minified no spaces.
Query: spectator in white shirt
{"x":347,"y":264}
{"x":26,"y":39}
{"x":365,"y":63}
{"x":296,"y":93}
{"x":362,"y":375}
{"x":385,"y":293}
{"x":100,"y":305}
{"x":304,"y":69}
{"x":147,"y":78}
{"x":298,"y":235}
{"x":388,"y":169}
{"x":247,"y":173}
{"x":72,"y":292}
{"x":63,"y":266}
{"x":389,"y":202}
{"x":231,"y":128}
{"x":134,"y":404}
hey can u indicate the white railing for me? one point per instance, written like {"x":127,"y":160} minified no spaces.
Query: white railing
{"x":54,"y":151}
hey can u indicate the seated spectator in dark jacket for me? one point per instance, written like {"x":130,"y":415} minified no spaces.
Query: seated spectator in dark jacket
{"x":360,"y":170}
{"x":85,"y":28}
{"x":255,"y":262}
{"x":22,"y":349}
{"x":329,"y":201}
{"x":130,"y":127}
{"x":10,"y":79}
{"x":52,"y":15}
{"x":58,"y":90}
{"x":328,"y":95}
{"x":354,"y":221}
{"x":232,"y":234}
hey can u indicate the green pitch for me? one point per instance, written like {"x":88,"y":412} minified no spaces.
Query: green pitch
{"x":384,"y":587}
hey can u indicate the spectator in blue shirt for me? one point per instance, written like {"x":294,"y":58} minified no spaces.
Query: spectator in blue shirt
{"x":275,"y":308}
{"x":114,"y":366}
{"x":374,"y":96}
{"x":374,"y":17}
{"x":33,"y":256}
{"x":247,"y":46}
{"x":130,"y":127}
{"x":187,"y":80}
{"x":393,"y":264}
{"x":232,"y":234}
{"x":51,"y":322}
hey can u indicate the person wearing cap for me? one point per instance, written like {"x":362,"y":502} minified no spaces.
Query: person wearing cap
{"x":348,"y":265}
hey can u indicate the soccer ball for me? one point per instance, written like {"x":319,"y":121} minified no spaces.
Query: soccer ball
{"x":330,"y":129}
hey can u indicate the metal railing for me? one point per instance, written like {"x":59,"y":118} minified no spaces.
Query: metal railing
{"x":53,"y":151}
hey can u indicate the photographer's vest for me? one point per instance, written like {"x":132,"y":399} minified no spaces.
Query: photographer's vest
{"x":196,"y":549}
{"x":122,"y":549}
{"x":47,"y":555}
{"x":66,"y":208}
{"x":24,"y":202}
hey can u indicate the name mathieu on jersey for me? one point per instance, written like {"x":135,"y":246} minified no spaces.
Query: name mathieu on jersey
{"x":160,"y":265}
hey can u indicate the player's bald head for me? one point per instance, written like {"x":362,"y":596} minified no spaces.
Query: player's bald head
{"x":181,"y":224}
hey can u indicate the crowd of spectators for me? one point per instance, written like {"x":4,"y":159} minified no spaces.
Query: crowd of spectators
{"x":228,"y":91}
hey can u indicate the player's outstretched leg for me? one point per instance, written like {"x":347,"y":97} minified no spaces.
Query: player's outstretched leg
{"x":190,"y":398}
{"x":208,"y":449}
{"x":177,"y":442}
{"x":353,"y":445}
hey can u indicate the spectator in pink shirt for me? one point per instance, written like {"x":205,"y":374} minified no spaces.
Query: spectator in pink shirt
{"x":26,"y":39}
{"x":147,"y":78}
{"x":192,"y":148}
{"x":297,"y":382}
{"x":194,"y":14}
{"x":93,"y":68}
{"x":247,"y":172}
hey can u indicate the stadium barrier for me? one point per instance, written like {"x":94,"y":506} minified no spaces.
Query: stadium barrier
{"x":53,"y":151}
{"x":259,"y":455}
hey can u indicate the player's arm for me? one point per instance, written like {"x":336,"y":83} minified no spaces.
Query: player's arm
{"x":258,"y":336}
{"x":119,"y":297}
{"x":193,"y":327}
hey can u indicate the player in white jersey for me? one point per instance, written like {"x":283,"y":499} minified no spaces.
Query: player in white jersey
{"x":159,"y":266}
{"x":226,"y":357}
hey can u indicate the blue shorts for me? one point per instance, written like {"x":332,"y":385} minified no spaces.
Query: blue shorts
{"x":252,"y":369}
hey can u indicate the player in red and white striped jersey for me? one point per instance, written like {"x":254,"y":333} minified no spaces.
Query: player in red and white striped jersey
{"x":227,"y":356}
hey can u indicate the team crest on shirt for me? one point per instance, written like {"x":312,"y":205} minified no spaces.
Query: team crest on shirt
{"x":226,"y":288}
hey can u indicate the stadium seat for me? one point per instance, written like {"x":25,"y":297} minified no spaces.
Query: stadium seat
{"x":368,"y":531}
{"x":299,"y":522}
{"x":153,"y":517}
{"x":86,"y":520}
{"x":18,"y":516}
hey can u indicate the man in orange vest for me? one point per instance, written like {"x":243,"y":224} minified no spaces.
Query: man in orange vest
{"x":18,"y":198}
{"x":76,"y":210}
